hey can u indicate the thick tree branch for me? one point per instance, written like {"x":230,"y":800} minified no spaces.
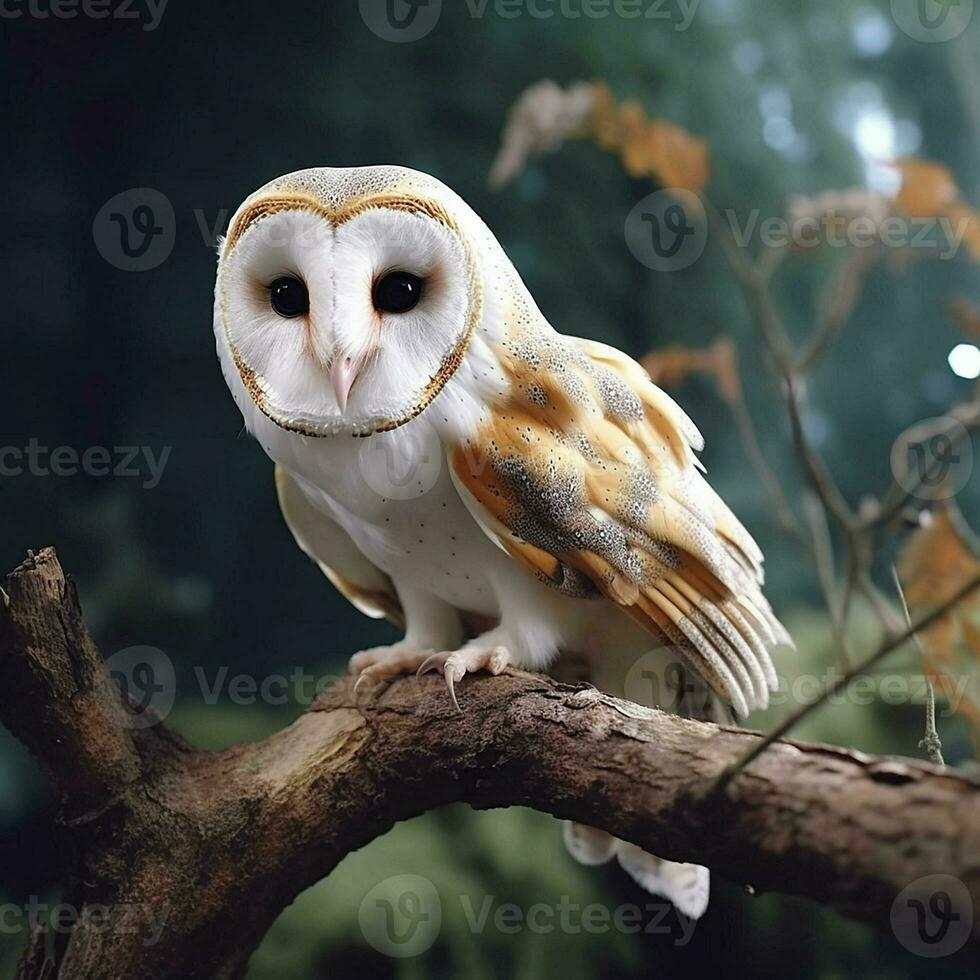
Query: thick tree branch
{"x":205,"y":849}
{"x":57,"y":698}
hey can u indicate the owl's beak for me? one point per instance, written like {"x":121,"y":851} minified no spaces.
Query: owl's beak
{"x":343,"y":374}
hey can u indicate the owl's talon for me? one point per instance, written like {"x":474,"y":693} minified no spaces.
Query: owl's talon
{"x":429,"y":665}
{"x":456,"y":664}
{"x":449,"y":672}
{"x":362,"y":677}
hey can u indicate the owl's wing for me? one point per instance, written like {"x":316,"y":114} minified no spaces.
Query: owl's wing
{"x":367,"y":587}
{"x":586,"y":475}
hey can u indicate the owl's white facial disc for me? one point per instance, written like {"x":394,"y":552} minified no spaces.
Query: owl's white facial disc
{"x":346,"y":319}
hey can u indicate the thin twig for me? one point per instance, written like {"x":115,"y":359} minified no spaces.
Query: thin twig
{"x":768,"y":478}
{"x":931,"y":743}
{"x":770,"y":260}
{"x":823,"y":556}
{"x":755,"y":288}
{"x":754,"y":281}
{"x":844,"y":295}
{"x":889,"y":645}
{"x":813,"y":465}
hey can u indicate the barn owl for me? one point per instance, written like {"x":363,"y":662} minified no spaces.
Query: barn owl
{"x":547,"y":497}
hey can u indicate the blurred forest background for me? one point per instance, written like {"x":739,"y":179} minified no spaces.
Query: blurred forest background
{"x":792,"y":97}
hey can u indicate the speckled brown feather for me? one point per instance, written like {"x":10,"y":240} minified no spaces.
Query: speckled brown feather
{"x":585,"y":473}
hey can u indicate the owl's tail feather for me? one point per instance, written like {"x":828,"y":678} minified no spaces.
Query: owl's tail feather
{"x":686,"y":885}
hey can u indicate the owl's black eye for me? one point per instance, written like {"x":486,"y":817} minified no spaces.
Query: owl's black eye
{"x":289,"y":296}
{"x":397,"y":292}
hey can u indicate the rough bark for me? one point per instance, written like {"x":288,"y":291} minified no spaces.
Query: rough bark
{"x":215,"y":844}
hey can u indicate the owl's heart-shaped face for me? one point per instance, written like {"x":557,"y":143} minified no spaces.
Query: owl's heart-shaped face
{"x":346,"y":304}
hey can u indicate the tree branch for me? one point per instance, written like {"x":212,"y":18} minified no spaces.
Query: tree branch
{"x":202,"y":850}
{"x":57,"y":697}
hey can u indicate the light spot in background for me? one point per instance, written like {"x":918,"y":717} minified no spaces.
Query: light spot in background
{"x":779,"y":133}
{"x":748,"y":57}
{"x":874,"y":134}
{"x":778,"y":130}
{"x":964,"y":360}
{"x":774,"y":100}
{"x":871,"y":33}
{"x":864,"y":117}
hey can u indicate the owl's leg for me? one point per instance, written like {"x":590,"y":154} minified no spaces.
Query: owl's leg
{"x":430,"y":624}
{"x":528,"y":636}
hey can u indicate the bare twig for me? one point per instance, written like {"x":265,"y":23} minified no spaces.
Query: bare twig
{"x":843,"y":297}
{"x":753,"y":449}
{"x":823,"y":556}
{"x":887,"y":647}
{"x":931,"y":743}
{"x":814,"y":467}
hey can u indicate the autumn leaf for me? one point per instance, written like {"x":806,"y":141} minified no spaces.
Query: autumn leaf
{"x":606,"y":122}
{"x":679,"y":159}
{"x":671,"y":366}
{"x":649,"y":147}
{"x":971,"y":636}
{"x":542,"y":118}
{"x":545,"y":115}
{"x":937,"y":561}
{"x":928,"y":189}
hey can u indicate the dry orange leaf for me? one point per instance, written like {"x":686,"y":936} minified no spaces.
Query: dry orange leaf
{"x":928,"y":188}
{"x":971,"y":636}
{"x":680,"y":159}
{"x":936,"y":562}
{"x":605,"y":121}
{"x":649,"y":147}
{"x":670,"y":366}
{"x":939,"y":559}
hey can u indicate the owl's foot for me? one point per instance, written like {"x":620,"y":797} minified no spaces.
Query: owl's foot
{"x":381,"y":664}
{"x":455,"y":664}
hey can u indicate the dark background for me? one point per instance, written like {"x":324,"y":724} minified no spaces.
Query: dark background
{"x":224,"y":96}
